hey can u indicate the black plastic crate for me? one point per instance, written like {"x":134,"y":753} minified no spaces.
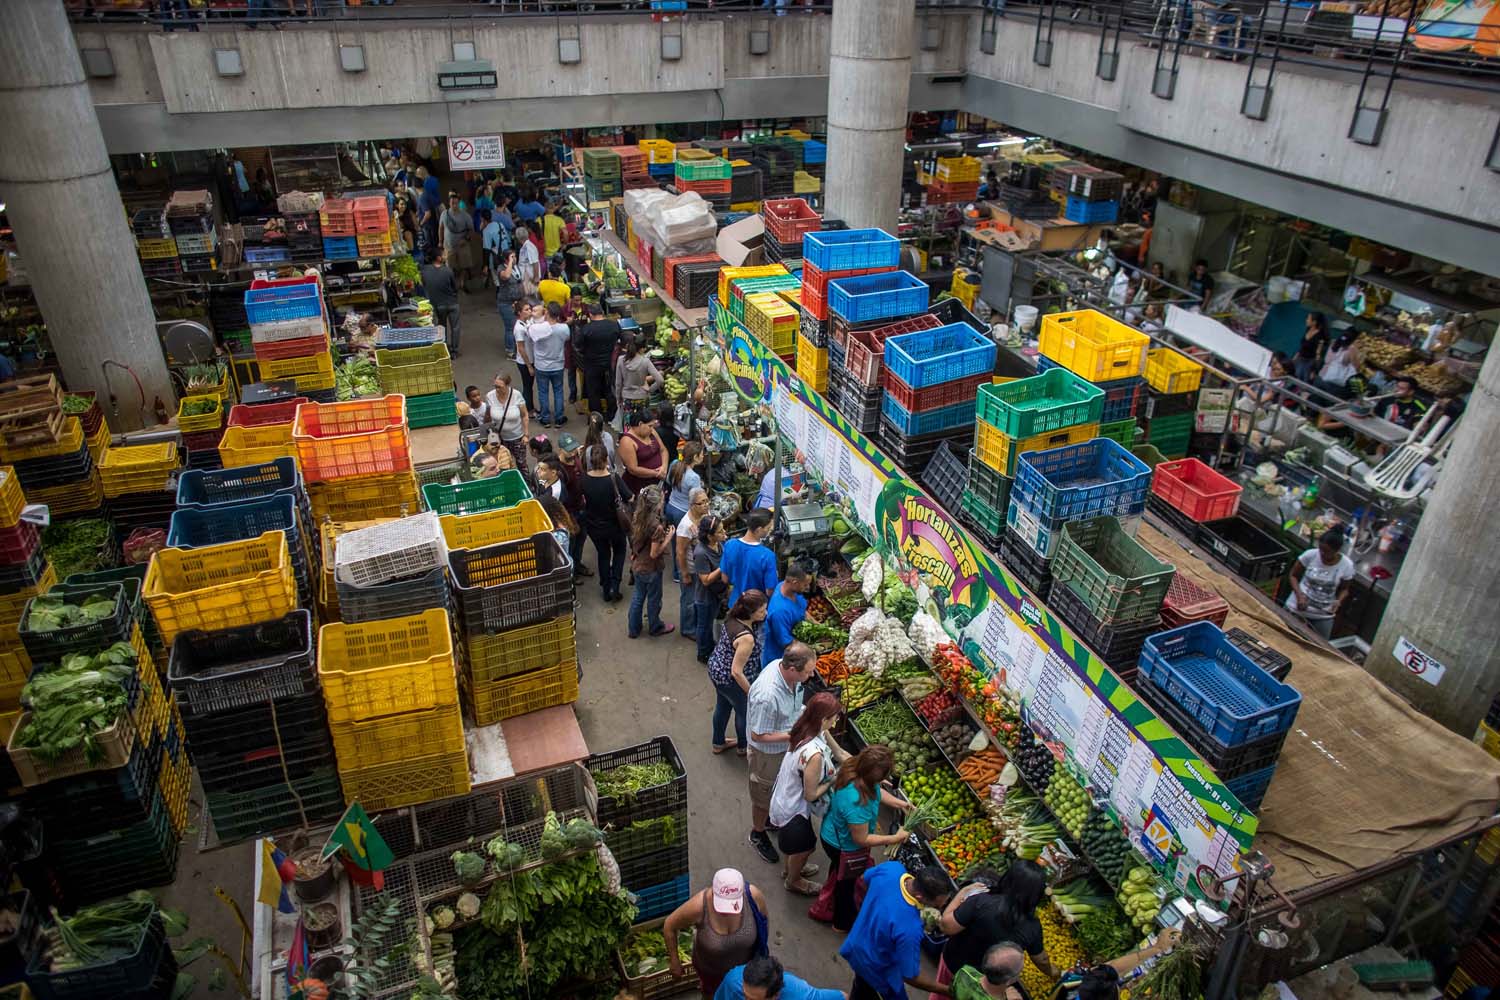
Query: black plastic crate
{"x":952,"y":310}
{"x":135,"y":971}
{"x":946,"y":476}
{"x":17,"y":947}
{"x":90,"y":637}
{"x":1246,"y":549}
{"x":241,"y":815}
{"x":237,"y":485}
{"x":1277,"y":664}
{"x":16,"y":576}
{"x":988,"y":485}
{"x":1167,"y":404}
{"x":234,"y":667}
{"x":395,"y":599}
{"x":1117,"y":642}
{"x":42,"y":473}
{"x":1172,"y":516}
{"x":99,"y":801}
{"x":253,"y":727}
{"x":648,"y":803}
{"x":1227,"y":762}
{"x":250,"y":769}
{"x":649,"y":837}
{"x":487,"y":605}
{"x":1026,"y":563}
{"x":912,"y":453}
{"x":647,"y":870}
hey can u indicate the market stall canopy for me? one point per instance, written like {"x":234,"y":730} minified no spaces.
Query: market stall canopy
{"x":1363,"y":777}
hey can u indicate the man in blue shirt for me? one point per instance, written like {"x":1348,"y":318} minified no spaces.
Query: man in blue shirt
{"x":764,"y":979}
{"x":748,"y":563}
{"x":786,"y":608}
{"x":884,"y":947}
{"x":528,"y":209}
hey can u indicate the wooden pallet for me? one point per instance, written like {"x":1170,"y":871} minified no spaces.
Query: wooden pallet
{"x":31,"y":411}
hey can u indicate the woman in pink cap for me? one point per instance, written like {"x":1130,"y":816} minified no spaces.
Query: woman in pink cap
{"x":730,"y":933}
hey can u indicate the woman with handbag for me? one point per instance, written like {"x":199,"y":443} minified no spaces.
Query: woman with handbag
{"x":737,"y":652}
{"x":730,"y":932}
{"x":606,"y":519}
{"x":799,"y":799}
{"x":649,"y":543}
{"x":848,"y":831}
{"x":510,"y":419}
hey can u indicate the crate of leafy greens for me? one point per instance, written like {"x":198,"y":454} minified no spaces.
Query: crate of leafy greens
{"x":643,"y":963}
{"x":78,"y":716}
{"x":639,"y":782}
{"x":823,"y":638}
{"x":86,"y":619}
{"x":113,"y":948}
{"x":80,"y":546}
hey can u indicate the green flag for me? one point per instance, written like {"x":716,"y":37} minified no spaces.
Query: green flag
{"x":357,"y":835}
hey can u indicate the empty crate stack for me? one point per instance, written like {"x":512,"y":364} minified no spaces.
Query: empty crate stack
{"x":135,"y":479}
{"x":115,"y":810}
{"x":1227,"y":706}
{"x":843,"y":253}
{"x":1188,"y":602}
{"x":751,"y":297}
{"x":601,"y":174}
{"x":778,"y":158}
{"x":391,"y":569}
{"x":154,"y":244}
{"x":744,"y":186}
{"x":634,"y":168}
{"x":1107,"y":353}
{"x":26,"y":572}
{"x":253,"y":713}
{"x":1093,"y":195}
{"x":289,"y":331}
{"x":646,"y":830}
{"x":57,"y":462}
{"x":931,"y":380}
{"x":355,"y":458}
{"x":372,"y":226}
{"x":708,"y":175}
{"x":1171,"y":401}
{"x":259,"y":433}
{"x":955,"y":181}
{"x":856,"y":352}
{"x":692,"y":280}
{"x":513,"y":591}
{"x":424,"y":375}
{"x":1108,"y":589}
{"x":190,"y":217}
{"x":1124,"y":400}
{"x":1204,"y":506}
{"x":391,"y":689}
{"x":786,"y":220}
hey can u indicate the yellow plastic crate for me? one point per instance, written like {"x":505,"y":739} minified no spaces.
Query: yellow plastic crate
{"x":811,"y":361}
{"x":12,"y":500}
{"x":504,"y":699}
{"x":409,"y":783}
{"x":999,"y":450}
{"x":658,"y":150}
{"x":220,"y":586}
{"x":311,"y":373}
{"x":176,"y":782}
{"x":15,"y":667}
{"x":1170,"y":372}
{"x":72,"y":498}
{"x":193,"y":423}
{"x":386,"y":667}
{"x":728,"y":274}
{"x":1093,"y":345}
{"x":99,"y":442}
{"x":390,"y":738}
{"x":157,"y":249}
{"x":772,"y":321}
{"x":360,"y":498}
{"x":791,"y":296}
{"x":509,"y":524}
{"x":256,"y":445}
{"x":13,"y":603}
{"x":805,"y":183}
{"x":138,"y":468}
{"x":745,"y":206}
{"x":520,"y":650}
{"x":1489,"y":739}
{"x":70,"y":441}
{"x":957,"y":169}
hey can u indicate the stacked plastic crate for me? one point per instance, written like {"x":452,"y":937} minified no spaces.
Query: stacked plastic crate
{"x":1076,"y":482}
{"x":200,"y":419}
{"x":932,"y":378}
{"x":115,"y":810}
{"x":302,"y":237}
{"x":707,"y":175}
{"x":856,"y":353}
{"x":778,"y":158}
{"x":337,"y":224}
{"x":787,"y":221}
{"x":391,"y":690}
{"x":513,"y":589}
{"x":190,"y":217}
{"x":289,"y":331}
{"x":751,"y":297}
{"x":1187,"y":602}
{"x":63,"y":473}
{"x":154,"y":244}
{"x":1229,"y":708}
{"x":391,"y":568}
{"x":744,"y":186}
{"x":1107,"y":353}
{"x":137,"y":482}
{"x":1124,"y":399}
{"x":691,"y":280}
{"x":647,"y":831}
{"x":253,"y":714}
{"x":835,"y":254}
{"x":424,"y":375}
{"x":372,"y":227}
{"x":1093,"y":195}
{"x":355,"y":459}
{"x":20,"y":553}
{"x":1045,"y":411}
{"x":1171,"y":401}
{"x":956,"y":180}
{"x":601,"y":174}
{"x":1108,"y":589}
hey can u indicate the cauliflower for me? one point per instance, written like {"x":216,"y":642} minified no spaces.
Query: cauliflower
{"x":871,"y":576}
{"x":442,"y":917}
{"x":468,"y":906}
{"x":925,"y":634}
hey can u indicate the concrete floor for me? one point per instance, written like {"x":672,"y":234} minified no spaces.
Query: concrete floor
{"x":632,"y":690}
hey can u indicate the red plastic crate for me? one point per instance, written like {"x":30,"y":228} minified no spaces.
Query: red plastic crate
{"x":864,"y":356}
{"x":705,"y":187}
{"x":787,"y":219}
{"x":19,"y":543}
{"x":815,"y":287}
{"x":280,"y":350}
{"x":933,"y":397}
{"x":1197,"y":490}
{"x":305,"y":279}
{"x":361,"y":437}
{"x":261,"y":414}
{"x":1187,"y":602}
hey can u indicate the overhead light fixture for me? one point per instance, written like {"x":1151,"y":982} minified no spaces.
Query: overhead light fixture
{"x":228,"y":62}
{"x":352,"y":58}
{"x":476,"y":74}
{"x":97,"y":63}
{"x":463,"y":52}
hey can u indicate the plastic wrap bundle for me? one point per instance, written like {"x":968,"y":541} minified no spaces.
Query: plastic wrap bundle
{"x":300,"y":201}
{"x":675,"y":225}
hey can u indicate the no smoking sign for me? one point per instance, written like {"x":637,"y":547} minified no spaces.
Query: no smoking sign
{"x":476,"y":152}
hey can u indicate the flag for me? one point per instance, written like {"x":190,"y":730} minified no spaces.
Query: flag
{"x":362,"y":844}
{"x":273,"y":879}
{"x":297,"y":958}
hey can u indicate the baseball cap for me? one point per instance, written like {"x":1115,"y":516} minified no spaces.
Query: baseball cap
{"x":729,"y":890}
{"x":567,"y":442}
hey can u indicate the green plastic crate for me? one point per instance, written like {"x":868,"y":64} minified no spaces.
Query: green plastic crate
{"x":1116,"y":578}
{"x":1121,"y":431}
{"x":1148,"y":453}
{"x":989,"y":486}
{"x":1047,"y":402}
{"x":601,"y":163}
{"x":749,"y":286}
{"x":713,"y":169}
{"x":431,"y":411}
{"x":444,"y":473}
{"x":504,"y":490}
{"x":988,"y":518}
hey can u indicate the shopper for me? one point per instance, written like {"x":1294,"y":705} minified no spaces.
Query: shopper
{"x":775,"y":702}
{"x":537,"y":325}
{"x":666,"y":428}
{"x":787,"y":608}
{"x":530,"y":261}
{"x":507,"y":294}
{"x":602,"y":494}
{"x":458,"y":237}
{"x":649,"y":543}
{"x":552,"y":289}
{"x":478,"y":408}
{"x":578,"y":317}
{"x":546,"y":343}
{"x":549,"y":479}
{"x":709,"y":586}
{"x":643,"y":459}
{"x":799,"y":799}
{"x":684,"y":535}
{"x":570,"y":456}
{"x":1340,"y":373}
{"x":635,"y":377}
{"x":1320,"y":580}
{"x":528,"y":209}
{"x":682,"y":477}
{"x":765,"y":979}
{"x":994,"y":977}
{"x":553,"y":225}
{"x":848,"y":831}
{"x":1103,"y":982}
{"x":441,"y":289}
{"x":728,"y":934}
{"x":406,"y":222}
{"x":595,"y":348}
{"x":1405,"y":408}
{"x":490,"y":241}
{"x":1312,"y":347}
{"x":510,"y":417}
{"x":731,"y":670}
{"x":991,"y":909}
{"x":600,"y":434}
{"x":884,"y":947}
{"x":564,"y":528}
{"x":748,"y":563}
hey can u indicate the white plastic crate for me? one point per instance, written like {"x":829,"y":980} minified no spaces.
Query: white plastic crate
{"x":380,"y":553}
{"x":286,"y":329}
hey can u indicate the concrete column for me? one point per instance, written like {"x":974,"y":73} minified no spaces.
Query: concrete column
{"x":869,"y":82}
{"x":71,"y":230}
{"x":1445,"y":598}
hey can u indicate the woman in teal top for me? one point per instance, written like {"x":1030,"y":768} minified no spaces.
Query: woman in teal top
{"x":849,"y":828}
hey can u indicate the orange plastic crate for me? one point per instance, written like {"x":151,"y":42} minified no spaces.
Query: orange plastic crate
{"x":361,"y":437}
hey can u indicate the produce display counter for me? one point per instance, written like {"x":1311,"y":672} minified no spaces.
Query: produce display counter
{"x":691,"y":317}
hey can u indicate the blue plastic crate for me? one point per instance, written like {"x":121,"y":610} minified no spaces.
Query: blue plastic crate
{"x":887,"y":295}
{"x":662,"y":169}
{"x":340,"y":247}
{"x":928,"y":421}
{"x":659,"y":900}
{"x":851,"y":249}
{"x":246,"y":482}
{"x":814,"y":151}
{"x":1251,"y":788}
{"x":266,"y":255}
{"x":1078,"y":210}
{"x":1233,"y":698}
{"x":929,"y":357}
{"x":1123,"y":397}
{"x":1089,"y":479}
{"x":271,"y":305}
{"x":1044,"y":534}
{"x":197,"y":526}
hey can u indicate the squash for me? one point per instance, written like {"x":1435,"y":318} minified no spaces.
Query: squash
{"x":314,"y":989}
